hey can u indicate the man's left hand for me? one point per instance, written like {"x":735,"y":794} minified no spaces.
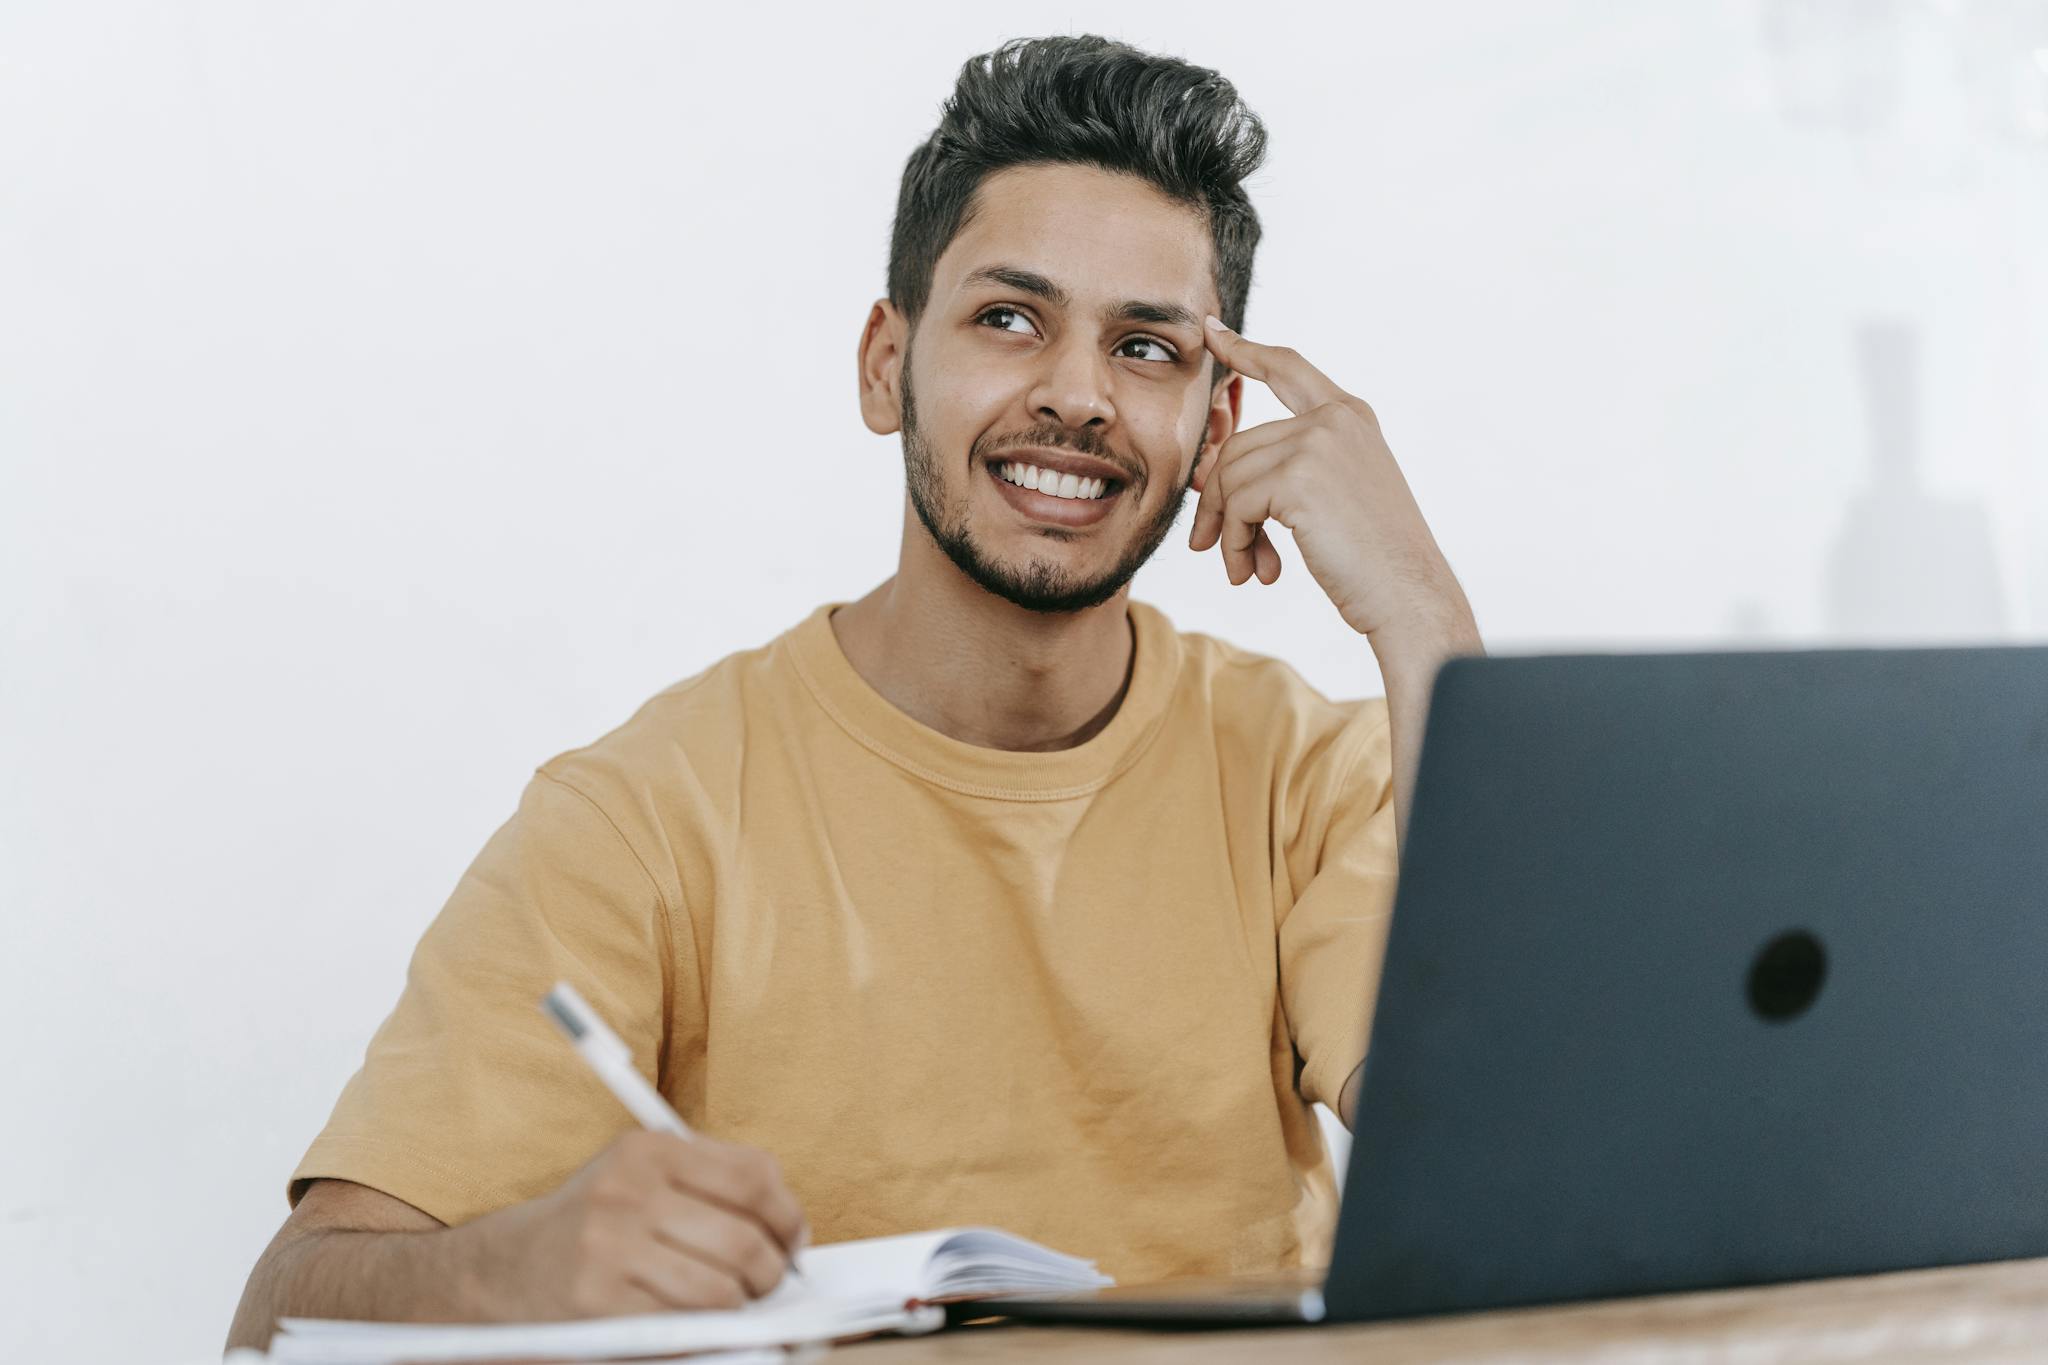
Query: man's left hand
{"x":1327,"y":475}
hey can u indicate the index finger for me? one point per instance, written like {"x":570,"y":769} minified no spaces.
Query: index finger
{"x":1284,"y":370}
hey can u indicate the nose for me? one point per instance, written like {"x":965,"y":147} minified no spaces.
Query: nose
{"x":1073,"y":387}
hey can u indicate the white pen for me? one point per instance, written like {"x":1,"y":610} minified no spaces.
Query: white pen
{"x":612,"y":1060}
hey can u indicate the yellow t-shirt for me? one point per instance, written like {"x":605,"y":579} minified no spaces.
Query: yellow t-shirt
{"x":1086,"y":995}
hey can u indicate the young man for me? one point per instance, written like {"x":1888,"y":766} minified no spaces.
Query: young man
{"x":989,"y":897}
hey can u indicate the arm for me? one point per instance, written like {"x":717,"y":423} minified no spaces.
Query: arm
{"x":469,"y":1111}
{"x":1408,"y":664}
{"x":656,"y":1222}
{"x":1409,"y":656}
{"x":348,"y":1251}
{"x":1327,"y":474}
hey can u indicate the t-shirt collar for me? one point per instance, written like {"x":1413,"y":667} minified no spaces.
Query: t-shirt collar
{"x":875,"y":722}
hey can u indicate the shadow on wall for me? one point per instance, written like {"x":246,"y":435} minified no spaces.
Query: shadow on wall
{"x":1944,"y":101}
{"x":1907,"y":566}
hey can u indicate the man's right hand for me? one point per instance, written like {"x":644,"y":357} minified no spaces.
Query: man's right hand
{"x":655,"y":1222}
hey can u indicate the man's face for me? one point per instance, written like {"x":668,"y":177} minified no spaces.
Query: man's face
{"x":1067,"y":317}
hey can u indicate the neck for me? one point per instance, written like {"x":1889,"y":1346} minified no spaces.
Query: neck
{"x":983,"y":670}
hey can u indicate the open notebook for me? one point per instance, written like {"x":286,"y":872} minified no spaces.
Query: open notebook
{"x":848,"y":1289}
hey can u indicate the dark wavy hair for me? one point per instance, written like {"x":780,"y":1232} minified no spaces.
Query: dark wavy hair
{"x":1093,"y":101}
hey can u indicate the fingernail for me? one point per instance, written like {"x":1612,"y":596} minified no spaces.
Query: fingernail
{"x":1213,"y":323}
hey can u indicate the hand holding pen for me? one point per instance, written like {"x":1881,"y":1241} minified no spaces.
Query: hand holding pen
{"x":662,"y":1219}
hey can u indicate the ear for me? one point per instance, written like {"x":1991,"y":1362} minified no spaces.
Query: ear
{"x":882,"y":345}
{"x":1221,"y":423}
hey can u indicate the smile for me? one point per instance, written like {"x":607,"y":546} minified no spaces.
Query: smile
{"x":1089,"y":501}
{"x":1050,"y":482}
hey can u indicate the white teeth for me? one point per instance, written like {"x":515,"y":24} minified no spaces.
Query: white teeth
{"x":1054,"y":484}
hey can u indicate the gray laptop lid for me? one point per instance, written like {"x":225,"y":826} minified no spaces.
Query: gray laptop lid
{"x":1709,"y":969}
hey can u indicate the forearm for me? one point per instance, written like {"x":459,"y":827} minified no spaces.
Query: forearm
{"x":424,"y":1276}
{"x":1409,"y":656}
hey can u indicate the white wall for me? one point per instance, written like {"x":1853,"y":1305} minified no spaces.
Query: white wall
{"x":393,"y":395}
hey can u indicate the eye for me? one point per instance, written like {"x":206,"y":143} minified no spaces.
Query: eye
{"x":988,"y":313}
{"x":1004,"y":312}
{"x":1170,"y":355}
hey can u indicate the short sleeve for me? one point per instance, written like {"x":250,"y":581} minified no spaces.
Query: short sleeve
{"x":468,"y":1099}
{"x":1333,"y":937}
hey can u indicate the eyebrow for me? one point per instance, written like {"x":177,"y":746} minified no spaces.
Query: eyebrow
{"x":1130,"y":310}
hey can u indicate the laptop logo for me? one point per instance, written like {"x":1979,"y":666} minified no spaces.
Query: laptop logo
{"x":1786,"y":977}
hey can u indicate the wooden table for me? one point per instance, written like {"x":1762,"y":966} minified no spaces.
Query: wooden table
{"x":1994,"y":1312}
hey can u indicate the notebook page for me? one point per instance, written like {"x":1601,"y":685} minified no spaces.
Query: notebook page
{"x":989,"y":1261}
{"x":868,"y":1269}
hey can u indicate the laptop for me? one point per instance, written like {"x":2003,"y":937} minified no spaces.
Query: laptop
{"x":1705,"y":970}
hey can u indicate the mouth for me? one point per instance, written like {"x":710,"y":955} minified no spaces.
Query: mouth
{"x":1063,"y":500}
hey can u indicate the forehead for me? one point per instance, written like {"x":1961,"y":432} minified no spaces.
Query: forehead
{"x":1102,"y":235}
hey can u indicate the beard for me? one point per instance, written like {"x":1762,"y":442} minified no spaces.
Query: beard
{"x":1037,"y":585}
